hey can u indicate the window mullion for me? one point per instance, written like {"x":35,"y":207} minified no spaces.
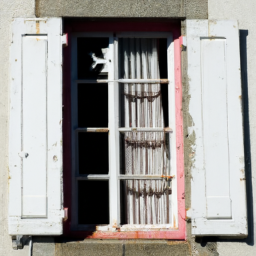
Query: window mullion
{"x":173,"y":215}
{"x":113,"y":138}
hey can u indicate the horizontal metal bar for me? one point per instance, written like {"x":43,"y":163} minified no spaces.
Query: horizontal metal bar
{"x":126,"y":81}
{"x":143,"y":81}
{"x":145,"y":129}
{"x":86,"y":129}
{"x":144,"y":177}
{"x":92,"y":177}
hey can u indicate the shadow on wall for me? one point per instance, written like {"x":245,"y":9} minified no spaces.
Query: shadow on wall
{"x":247,"y":144}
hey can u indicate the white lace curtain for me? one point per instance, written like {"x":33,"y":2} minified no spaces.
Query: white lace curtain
{"x":147,"y":201}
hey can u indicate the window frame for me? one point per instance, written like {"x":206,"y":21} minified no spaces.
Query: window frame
{"x":178,"y":230}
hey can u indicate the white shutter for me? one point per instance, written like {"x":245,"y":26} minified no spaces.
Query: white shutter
{"x":218,"y":197}
{"x":35,"y":135}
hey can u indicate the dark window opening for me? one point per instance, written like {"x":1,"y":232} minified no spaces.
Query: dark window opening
{"x":92,"y":105}
{"x":93,"y":202}
{"x":93,"y":153}
{"x":85,"y":48}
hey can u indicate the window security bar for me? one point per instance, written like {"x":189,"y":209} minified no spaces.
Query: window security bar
{"x":126,"y":81}
{"x":127,"y":129}
{"x":145,"y":177}
{"x":86,"y":129}
{"x":124,"y":177}
{"x":146,"y":129}
{"x":93,"y":177}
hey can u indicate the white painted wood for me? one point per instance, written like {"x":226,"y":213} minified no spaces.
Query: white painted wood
{"x":217,"y":186}
{"x":113,"y":118}
{"x":35,"y":142}
{"x":34,"y":127}
{"x":173,"y":202}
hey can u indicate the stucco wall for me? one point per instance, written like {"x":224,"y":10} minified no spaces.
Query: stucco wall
{"x":196,"y":9}
{"x":8,"y":11}
{"x":244,"y":12}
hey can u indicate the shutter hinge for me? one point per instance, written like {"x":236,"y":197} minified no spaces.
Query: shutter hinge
{"x":184,"y":44}
{"x":188,"y":214}
{"x":17,"y":242}
{"x":64,"y":214}
{"x":64,"y":40}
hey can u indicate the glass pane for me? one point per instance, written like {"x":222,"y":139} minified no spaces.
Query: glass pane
{"x":145,"y":153}
{"x":86,"y":47}
{"x":143,"y":105}
{"x":146,"y":202}
{"x":93,"y":153}
{"x":92,"y":105}
{"x":93,"y":202}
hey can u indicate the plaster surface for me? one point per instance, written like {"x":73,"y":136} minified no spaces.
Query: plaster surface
{"x":8,"y":11}
{"x":244,"y":12}
{"x":196,"y":9}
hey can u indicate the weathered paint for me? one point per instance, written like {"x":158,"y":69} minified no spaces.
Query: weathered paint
{"x":47,"y":184}
{"x":216,"y":210}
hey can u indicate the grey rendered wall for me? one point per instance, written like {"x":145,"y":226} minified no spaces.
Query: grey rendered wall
{"x":196,"y":9}
{"x":9,"y":9}
{"x":244,"y":12}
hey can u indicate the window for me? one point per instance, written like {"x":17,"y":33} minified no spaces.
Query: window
{"x":121,"y":120}
{"x":123,"y":132}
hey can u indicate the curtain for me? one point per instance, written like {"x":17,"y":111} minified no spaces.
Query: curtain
{"x":145,"y":153}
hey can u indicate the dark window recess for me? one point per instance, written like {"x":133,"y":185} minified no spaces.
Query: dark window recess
{"x":93,"y":153}
{"x":163,"y":66}
{"x":122,"y":153}
{"x":85,"y":47}
{"x":93,"y":202}
{"x":123,"y":202}
{"x":92,"y":105}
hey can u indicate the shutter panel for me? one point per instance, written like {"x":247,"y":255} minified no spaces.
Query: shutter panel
{"x":35,"y":134}
{"x":218,"y":197}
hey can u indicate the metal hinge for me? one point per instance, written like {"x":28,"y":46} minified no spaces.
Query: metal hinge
{"x":184,"y":44}
{"x":17,"y":242}
{"x":64,"y":214}
{"x":64,"y":40}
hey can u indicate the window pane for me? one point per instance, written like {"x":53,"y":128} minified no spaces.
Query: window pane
{"x":92,"y":105}
{"x":146,"y":202}
{"x":143,"y":105}
{"x":145,"y":153}
{"x":93,"y":202}
{"x":85,"y":48}
{"x":93,"y":153}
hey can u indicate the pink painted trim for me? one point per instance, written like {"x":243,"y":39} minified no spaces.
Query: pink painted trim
{"x":179,"y":136}
{"x":180,"y":232}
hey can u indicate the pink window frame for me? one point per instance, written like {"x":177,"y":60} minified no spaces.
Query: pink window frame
{"x":178,"y":233}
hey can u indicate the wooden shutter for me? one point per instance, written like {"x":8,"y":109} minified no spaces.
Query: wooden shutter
{"x":218,"y":180}
{"x":35,"y":134}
